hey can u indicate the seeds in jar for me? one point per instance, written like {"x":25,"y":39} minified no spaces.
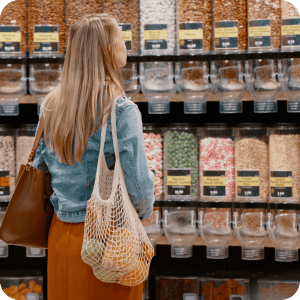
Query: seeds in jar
{"x":288,"y":10}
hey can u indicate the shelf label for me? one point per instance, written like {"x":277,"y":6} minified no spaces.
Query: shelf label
{"x":247,"y":183}
{"x":281,"y":183}
{"x":290,"y":32}
{"x":214,"y":183}
{"x":127,"y":35}
{"x":10,"y":39}
{"x":155,"y":36}
{"x":9,"y":109}
{"x":226,"y":35}
{"x":4,"y":180}
{"x":179,"y":182}
{"x":46,"y":38}
{"x":191,"y":36}
{"x":259,"y":34}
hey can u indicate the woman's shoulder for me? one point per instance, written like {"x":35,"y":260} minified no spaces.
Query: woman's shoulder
{"x":123,"y":103}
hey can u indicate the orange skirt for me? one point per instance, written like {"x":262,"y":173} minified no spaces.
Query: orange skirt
{"x":69,"y":278}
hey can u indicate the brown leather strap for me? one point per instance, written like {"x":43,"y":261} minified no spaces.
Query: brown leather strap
{"x":37,"y":140}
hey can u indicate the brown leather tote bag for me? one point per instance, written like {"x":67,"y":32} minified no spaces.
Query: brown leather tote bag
{"x":29,"y":213}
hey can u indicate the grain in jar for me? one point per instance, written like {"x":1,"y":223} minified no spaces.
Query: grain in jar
{"x":13,"y":19}
{"x":180,"y":162}
{"x":264,"y":22}
{"x":46,"y":27}
{"x":251,"y":162}
{"x":284,"y":147}
{"x":194,"y":26}
{"x":217,"y":163}
{"x":229,"y":25}
{"x":7,"y":162}
{"x":126,"y":12}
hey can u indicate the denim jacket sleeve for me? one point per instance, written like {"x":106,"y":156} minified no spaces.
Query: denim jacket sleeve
{"x":138,"y":177}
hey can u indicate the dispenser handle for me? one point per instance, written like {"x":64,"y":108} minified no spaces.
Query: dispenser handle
{"x":236,"y":227}
{"x":165,"y":221}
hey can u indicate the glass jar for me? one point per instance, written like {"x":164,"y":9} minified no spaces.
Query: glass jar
{"x":46,"y":28}
{"x":25,"y":136}
{"x":284,"y":156}
{"x":180,"y":162}
{"x":229,"y":26}
{"x":193,"y":26}
{"x":251,"y":162}
{"x":7,"y":162}
{"x":130,"y":80}
{"x":217,"y":167}
{"x":157,"y":31}
{"x":264,"y":25}
{"x":154,"y":153}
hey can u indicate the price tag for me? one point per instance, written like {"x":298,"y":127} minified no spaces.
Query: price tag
{"x":155,"y":36}
{"x":46,"y":38}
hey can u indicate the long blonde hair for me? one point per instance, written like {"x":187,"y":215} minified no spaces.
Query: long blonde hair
{"x":89,"y":71}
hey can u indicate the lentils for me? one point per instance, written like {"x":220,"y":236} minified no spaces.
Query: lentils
{"x":14,"y":13}
{"x":46,"y":12}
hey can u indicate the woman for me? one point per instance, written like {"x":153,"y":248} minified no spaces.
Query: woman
{"x":90,"y":82}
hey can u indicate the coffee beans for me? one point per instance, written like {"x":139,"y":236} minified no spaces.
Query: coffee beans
{"x":192,"y":11}
{"x":14,"y":13}
{"x":46,"y":12}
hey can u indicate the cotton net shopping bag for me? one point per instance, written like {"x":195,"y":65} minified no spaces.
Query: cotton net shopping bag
{"x":115,"y":243}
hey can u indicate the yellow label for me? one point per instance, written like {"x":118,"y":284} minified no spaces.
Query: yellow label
{"x":127,"y":35}
{"x":226,"y":32}
{"x":46,"y":37}
{"x":155,"y":35}
{"x":247,"y":181}
{"x":260,"y":31}
{"x":191,"y":34}
{"x":10,"y":37}
{"x":214,"y":181}
{"x":179,"y":180}
{"x":4,"y":181}
{"x":281,"y":181}
{"x":290,"y":30}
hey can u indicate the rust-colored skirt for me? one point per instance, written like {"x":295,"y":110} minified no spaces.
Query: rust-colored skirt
{"x":69,"y":278}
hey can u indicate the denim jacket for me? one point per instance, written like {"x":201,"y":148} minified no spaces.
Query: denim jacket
{"x":73,"y":185}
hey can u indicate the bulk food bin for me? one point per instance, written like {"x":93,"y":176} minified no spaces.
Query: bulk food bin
{"x":249,"y":228}
{"x":217,"y":167}
{"x":193,"y":85}
{"x":227,"y":77}
{"x":156,"y":79}
{"x":214,"y":225}
{"x":12,"y":88}
{"x":179,"y":226}
{"x":3,"y":245}
{"x":194,"y":34}
{"x":130,"y":80}
{"x":251,"y":162}
{"x":181,"y":161}
{"x":284,"y":147}
{"x":46,"y":28}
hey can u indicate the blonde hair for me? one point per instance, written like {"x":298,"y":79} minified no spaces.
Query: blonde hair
{"x":89,"y":71}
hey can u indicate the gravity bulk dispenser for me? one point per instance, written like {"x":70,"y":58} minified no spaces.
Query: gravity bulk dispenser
{"x":214,"y":226}
{"x":156,"y":79}
{"x":227,"y":77}
{"x":263,"y":84}
{"x":193,"y":85}
{"x":3,"y":245}
{"x":12,"y":88}
{"x":180,"y":229}
{"x":130,"y":80}
{"x":249,"y":227}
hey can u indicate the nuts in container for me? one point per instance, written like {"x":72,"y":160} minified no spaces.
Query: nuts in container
{"x":46,"y":27}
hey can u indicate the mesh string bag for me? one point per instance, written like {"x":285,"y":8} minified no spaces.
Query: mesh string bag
{"x":115,"y":243}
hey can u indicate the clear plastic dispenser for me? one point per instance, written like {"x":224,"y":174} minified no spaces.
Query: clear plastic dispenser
{"x":152,"y":227}
{"x":156,"y":79}
{"x":227,"y":77}
{"x":214,"y":226}
{"x":263,"y":84}
{"x":44,"y":78}
{"x":193,"y":85}
{"x":3,"y":245}
{"x":249,"y":228}
{"x":289,"y":78}
{"x":130,"y":80}
{"x":180,"y":229}
{"x":283,"y":231}
{"x":12,"y":88}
